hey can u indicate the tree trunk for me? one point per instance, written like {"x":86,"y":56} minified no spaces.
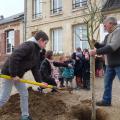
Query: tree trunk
{"x":92,"y":78}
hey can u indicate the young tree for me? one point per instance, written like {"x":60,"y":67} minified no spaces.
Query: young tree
{"x":93,"y":19}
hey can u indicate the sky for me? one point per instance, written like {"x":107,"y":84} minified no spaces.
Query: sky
{"x":11,"y":7}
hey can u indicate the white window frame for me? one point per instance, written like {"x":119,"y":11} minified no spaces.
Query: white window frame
{"x":37,"y":8}
{"x":10,"y":41}
{"x":80,"y":37}
{"x":57,"y":40}
{"x":103,"y":33}
{"x":79,"y":3}
{"x":56,"y":9}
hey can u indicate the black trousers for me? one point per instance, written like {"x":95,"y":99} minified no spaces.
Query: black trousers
{"x":50,"y":81}
{"x":86,"y":79}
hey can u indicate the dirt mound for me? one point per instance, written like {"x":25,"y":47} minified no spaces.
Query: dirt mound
{"x":48,"y":107}
{"x":42,"y":107}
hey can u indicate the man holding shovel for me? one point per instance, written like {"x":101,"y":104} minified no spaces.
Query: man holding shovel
{"x":24,"y":58}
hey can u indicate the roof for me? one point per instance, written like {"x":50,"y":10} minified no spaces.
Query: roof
{"x":19,"y":16}
{"x":111,"y":5}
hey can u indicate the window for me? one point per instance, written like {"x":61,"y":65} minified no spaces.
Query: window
{"x":57,"y":40}
{"x":37,"y":8}
{"x":103,"y":33}
{"x":56,"y":6}
{"x":80,"y":36}
{"x":79,"y":3}
{"x":10,"y":41}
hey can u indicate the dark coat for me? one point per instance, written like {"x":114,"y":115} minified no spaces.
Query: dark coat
{"x":78,"y":64}
{"x":42,"y":55}
{"x":86,"y":65}
{"x":25,"y":57}
{"x":46,"y":70}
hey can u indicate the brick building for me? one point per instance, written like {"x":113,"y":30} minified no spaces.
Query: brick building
{"x":11,"y":34}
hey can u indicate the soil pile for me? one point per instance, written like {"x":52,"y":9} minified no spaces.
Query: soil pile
{"x":48,"y":107}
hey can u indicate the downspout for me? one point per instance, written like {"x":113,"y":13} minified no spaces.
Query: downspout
{"x":25,"y":19}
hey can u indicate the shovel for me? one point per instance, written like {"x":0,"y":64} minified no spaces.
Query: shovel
{"x":28,"y":81}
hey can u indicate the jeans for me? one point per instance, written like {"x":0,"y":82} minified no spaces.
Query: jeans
{"x":6,"y":91}
{"x":110,"y":74}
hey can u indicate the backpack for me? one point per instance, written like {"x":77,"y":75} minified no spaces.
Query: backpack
{"x":68,"y":73}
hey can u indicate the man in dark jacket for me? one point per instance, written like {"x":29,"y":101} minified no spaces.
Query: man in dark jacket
{"x":25,"y":57}
{"x":111,"y":50}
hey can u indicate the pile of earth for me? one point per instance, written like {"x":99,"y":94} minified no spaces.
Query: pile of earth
{"x":49,"y":107}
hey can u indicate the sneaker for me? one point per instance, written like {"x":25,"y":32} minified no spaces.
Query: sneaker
{"x":62,"y":86}
{"x":102,"y":103}
{"x":87,"y":88}
{"x":40,"y":89}
{"x":25,"y":118}
{"x":77,"y":88}
{"x":54,"y":90}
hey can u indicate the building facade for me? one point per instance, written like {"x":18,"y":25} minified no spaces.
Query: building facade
{"x":11,"y":34}
{"x":110,"y":8}
{"x":62,"y":20}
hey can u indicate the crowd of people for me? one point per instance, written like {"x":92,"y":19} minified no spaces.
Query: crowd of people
{"x":31,"y":55}
{"x":61,"y":73}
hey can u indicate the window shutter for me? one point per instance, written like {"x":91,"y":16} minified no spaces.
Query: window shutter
{"x":3,"y":43}
{"x":17,"y":37}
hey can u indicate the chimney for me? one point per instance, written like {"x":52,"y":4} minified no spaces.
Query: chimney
{"x":1,"y":17}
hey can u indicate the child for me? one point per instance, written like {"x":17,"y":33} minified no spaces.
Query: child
{"x":68,"y":73}
{"x":77,"y":57}
{"x":55,"y":75}
{"x":47,"y":69}
{"x":61,"y":79}
{"x":86,"y":69}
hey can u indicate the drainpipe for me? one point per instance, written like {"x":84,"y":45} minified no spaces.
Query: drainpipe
{"x":25,"y":18}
